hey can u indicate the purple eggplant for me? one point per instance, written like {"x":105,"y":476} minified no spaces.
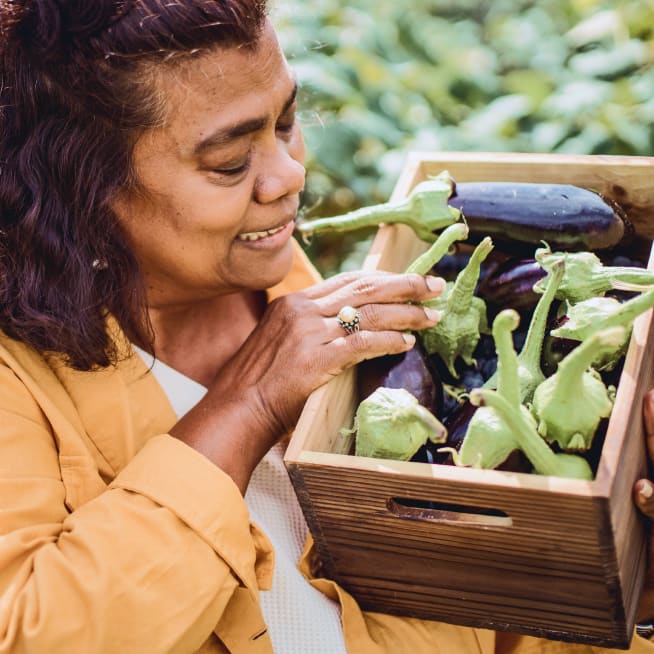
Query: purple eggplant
{"x":510,"y":284}
{"x":456,"y":424}
{"x":410,"y":370}
{"x":518,"y":216}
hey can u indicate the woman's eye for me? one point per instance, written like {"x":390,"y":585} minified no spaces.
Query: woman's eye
{"x":287,"y":121}
{"x":232,"y":170}
{"x":286,"y":126}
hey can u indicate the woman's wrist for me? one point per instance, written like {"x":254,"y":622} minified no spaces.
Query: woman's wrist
{"x":230,"y":434}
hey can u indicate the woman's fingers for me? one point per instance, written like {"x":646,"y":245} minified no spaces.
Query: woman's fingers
{"x":374,"y":289}
{"x":335,"y":282}
{"x":644,"y":488}
{"x":648,"y":421}
{"x":385,"y":317}
{"x":352,"y":349}
{"x":644,"y":492}
{"x":300,"y":344}
{"x":383,"y":302}
{"x":359,"y":288}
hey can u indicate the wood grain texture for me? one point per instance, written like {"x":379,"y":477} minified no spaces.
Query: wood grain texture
{"x":545,"y":556}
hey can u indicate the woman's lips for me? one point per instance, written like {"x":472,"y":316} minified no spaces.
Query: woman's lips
{"x":266,"y":235}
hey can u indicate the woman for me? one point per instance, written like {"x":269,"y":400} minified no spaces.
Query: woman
{"x":161,"y":331}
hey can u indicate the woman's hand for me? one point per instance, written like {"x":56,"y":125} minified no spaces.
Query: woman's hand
{"x":643,"y":493}
{"x":297,"y":346}
{"x":644,"y":488}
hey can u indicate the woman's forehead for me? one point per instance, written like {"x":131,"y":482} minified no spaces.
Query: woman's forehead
{"x":223,"y":75}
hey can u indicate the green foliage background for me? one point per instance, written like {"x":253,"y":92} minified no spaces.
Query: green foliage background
{"x":380,"y":77}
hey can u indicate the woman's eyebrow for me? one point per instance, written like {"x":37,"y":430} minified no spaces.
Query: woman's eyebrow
{"x":224,"y":135}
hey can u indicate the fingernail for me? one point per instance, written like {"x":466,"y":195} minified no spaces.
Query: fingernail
{"x":432,"y":314}
{"x":435,"y":283}
{"x":645,"y":491}
{"x":409,"y":339}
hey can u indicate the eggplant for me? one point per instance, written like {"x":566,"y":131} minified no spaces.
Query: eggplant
{"x":457,"y":426}
{"x":410,"y":370}
{"x":518,"y":216}
{"x":510,"y":284}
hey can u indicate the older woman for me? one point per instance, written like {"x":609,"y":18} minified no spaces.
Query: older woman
{"x":160,"y":333}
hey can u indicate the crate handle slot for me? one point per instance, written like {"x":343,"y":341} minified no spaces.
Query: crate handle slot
{"x":430,"y":511}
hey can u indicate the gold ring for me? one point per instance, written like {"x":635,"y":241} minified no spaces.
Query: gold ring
{"x":349,"y":319}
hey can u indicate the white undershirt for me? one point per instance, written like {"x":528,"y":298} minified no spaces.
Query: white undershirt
{"x":300,"y":619}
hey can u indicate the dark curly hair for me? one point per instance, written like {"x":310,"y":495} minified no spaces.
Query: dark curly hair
{"x":73,"y":101}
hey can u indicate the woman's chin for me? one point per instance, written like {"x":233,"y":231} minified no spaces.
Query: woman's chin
{"x":270,"y":273}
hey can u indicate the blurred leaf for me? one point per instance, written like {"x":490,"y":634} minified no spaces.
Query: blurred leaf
{"x":327,"y":82}
{"x":548,"y":135}
{"x":621,"y":60}
{"x":577,"y":97}
{"x":592,"y":139}
{"x":534,"y":84}
{"x":598,"y":27}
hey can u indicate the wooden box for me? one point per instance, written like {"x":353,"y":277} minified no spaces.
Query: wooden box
{"x":545,"y":556}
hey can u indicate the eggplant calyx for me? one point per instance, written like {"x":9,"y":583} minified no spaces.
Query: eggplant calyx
{"x":570,"y":404}
{"x":425,"y":210}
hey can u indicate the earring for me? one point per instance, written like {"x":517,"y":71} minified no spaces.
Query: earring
{"x":100,"y":264}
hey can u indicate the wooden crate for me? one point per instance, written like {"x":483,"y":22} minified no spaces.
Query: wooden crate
{"x":545,"y":556}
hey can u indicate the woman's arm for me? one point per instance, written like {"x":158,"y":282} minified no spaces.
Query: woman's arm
{"x":148,"y":565}
{"x":297,"y":346}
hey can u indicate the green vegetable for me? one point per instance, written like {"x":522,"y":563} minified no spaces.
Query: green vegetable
{"x":439,"y":248}
{"x":584,"y":318}
{"x":529,"y":370}
{"x":488,"y":441}
{"x":502,"y":423}
{"x":391,"y":424}
{"x":523,"y":429}
{"x":595,"y":314}
{"x":425,"y":210}
{"x":463,"y":315}
{"x":569,"y":405}
{"x":585,"y":276}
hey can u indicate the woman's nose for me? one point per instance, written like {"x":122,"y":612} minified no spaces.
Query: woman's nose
{"x":283,"y":170}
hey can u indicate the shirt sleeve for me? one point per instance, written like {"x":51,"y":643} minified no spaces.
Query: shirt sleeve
{"x":148,"y":565}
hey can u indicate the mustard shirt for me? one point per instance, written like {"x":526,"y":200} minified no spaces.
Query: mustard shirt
{"x":116,"y":538}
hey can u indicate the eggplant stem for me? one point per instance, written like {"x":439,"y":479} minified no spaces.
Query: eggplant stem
{"x":544,"y":460}
{"x":531,"y":350}
{"x":575,"y":364}
{"x":438,"y":432}
{"x":460,"y":297}
{"x":629,"y":311}
{"x":441,"y":246}
{"x":508,"y":384}
{"x":425,"y":210}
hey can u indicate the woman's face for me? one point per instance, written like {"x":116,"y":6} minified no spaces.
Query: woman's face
{"x":219,"y":181}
